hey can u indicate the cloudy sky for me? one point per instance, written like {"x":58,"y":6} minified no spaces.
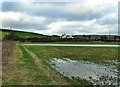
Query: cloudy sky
{"x":83,"y":17}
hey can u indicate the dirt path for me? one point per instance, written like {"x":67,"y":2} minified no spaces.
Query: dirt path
{"x":8,"y":48}
{"x":53,"y":76}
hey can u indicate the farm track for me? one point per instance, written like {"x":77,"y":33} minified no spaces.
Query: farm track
{"x":53,"y":76}
{"x":16,"y":70}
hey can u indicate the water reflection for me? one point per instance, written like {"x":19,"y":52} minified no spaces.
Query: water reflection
{"x":81,"y":45}
{"x":96,"y":73}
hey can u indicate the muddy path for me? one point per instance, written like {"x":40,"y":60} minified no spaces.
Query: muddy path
{"x":7,"y":53}
{"x":8,"y":48}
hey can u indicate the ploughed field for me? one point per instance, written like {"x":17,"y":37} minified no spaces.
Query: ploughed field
{"x":62,"y":65}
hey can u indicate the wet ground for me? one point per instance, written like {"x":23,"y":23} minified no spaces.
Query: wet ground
{"x":83,"y":45}
{"x":98,"y":74}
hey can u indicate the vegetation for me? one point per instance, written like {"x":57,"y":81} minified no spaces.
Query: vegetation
{"x":3,"y":34}
{"x":77,"y":53}
{"x":30,"y":64}
{"x":34,"y":37}
{"x":26,"y":68}
{"x":21,"y":34}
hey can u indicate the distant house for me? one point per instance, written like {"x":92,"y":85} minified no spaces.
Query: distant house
{"x":117,"y":38}
{"x":94,"y":38}
{"x":64,"y":36}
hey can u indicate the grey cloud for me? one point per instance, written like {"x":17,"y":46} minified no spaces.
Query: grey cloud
{"x":108,"y":20}
{"x":24,"y":26}
{"x":54,"y":12}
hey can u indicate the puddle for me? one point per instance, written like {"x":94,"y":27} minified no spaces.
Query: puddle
{"x":114,"y":62}
{"x":82,"y":45}
{"x":96,"y":73}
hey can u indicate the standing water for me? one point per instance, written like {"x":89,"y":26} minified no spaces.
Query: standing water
{"x":96,"y":73}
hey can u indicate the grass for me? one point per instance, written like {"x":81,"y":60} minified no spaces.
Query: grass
{"x":24,"y":71}
{"x":22,"y":34}
{"x":77,"y":53}
{"x":3,"y":34}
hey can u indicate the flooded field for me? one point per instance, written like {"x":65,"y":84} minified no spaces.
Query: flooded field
{"x":62,"y":64}
{"x":96,"y":73}
{"x":83,"y":45}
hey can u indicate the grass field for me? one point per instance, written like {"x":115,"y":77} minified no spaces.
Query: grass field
{"x":77,"y":53}
{"x":30,"y":64}
{"x":29,"y":35}
{"x":22,"y":34}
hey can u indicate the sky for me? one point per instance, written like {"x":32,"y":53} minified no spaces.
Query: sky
{"x":61,"y":17}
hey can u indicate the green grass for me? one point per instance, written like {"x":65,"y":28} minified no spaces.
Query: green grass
{"x":3,"y":34}
{"x":22,"y":34}
{"x":24,"y":71}
{"x":77,"y":53}
{"x":35,"y":74}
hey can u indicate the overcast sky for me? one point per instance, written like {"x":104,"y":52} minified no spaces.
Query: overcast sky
{"x":83,"y":17}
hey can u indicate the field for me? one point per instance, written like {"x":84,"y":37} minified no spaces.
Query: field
{"x":77,"y":53}
{"x":22,"y":34}
{"x":30,"y":64}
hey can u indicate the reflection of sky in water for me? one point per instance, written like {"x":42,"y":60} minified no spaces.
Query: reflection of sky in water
{"x":83,"y":45}
{"x":85,"y":70}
